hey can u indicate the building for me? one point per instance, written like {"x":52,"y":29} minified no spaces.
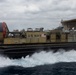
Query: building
{"x":69,"y":24}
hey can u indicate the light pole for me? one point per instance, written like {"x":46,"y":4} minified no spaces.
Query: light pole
{"x":73,"y":33}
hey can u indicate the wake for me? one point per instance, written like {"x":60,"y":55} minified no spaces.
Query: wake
{"x":40,"y":58}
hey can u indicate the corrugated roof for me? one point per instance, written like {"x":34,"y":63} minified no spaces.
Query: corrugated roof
{"x":68,"y":21}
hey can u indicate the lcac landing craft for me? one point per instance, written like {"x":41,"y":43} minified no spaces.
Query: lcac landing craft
{"x":17,"y":44}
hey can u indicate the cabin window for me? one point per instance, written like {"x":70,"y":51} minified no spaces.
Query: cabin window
{"x":34,"y":35}
{"x":31,"y":35}
{"x":28,"y":35}
{"x":37,"y":35}
{"x":40,"y":35}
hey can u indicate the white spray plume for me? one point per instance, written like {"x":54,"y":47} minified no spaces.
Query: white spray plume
{"x":41,"y":58}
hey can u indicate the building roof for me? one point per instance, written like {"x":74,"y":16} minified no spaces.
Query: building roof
{"x":68,"y":21}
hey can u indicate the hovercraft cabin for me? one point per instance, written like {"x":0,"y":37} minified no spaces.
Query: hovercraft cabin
{"x":65,"y":33}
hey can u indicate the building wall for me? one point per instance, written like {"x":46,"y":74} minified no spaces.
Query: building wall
{"x":36,"y":37}
{"x":31,"y":37}
{"x":34,"y":34}
{"x":1,"y":36}
{"x":62,"y":37}
{"x":69,"y":26}
{"x":11,"y":41}
{"x":72,"y":37}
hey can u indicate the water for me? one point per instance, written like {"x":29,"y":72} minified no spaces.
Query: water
{"x":43,"y":63}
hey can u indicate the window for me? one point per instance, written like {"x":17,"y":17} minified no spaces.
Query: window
{"x":37,"y":35}
{"x":34,"y":35}
{"x":28,"y":35}
{"x":31,"y":35}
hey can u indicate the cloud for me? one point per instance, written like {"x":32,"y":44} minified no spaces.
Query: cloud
{"x":2,"y":1}
{"x":36,"y":13}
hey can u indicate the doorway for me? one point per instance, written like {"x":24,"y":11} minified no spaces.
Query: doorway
{"x":48,"y":38}
{"x":58,"y":37}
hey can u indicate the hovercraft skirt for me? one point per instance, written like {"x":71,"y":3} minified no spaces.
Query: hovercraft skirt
{"x":22,"y":50}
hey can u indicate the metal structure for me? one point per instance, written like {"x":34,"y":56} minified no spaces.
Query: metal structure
{"x":21,"y":43}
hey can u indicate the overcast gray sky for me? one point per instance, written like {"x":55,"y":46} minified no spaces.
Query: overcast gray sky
{"x":19,"y":14}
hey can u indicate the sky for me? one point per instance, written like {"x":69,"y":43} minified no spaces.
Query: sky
{"x":23,"y":14}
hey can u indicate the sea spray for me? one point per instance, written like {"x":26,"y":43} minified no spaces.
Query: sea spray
{"x":40,"y":58}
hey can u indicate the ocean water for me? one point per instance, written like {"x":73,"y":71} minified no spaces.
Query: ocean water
{"x":42,"y":63}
